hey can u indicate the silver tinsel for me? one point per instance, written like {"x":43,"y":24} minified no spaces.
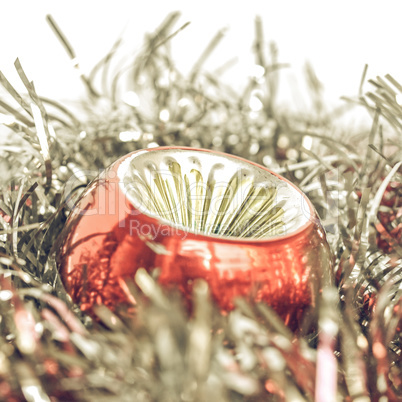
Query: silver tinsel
{"x":50,"y":351}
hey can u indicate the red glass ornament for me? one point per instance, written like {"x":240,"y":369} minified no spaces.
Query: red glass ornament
{"x":195,"y":213}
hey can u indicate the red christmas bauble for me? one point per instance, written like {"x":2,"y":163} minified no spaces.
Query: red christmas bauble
{"x":195,"y":213}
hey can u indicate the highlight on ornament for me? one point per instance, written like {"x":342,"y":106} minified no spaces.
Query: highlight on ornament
{"x":192,"y":213}
{"x":212,"y":194}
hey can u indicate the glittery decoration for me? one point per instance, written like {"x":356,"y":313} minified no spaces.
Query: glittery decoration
{"x":50,"y":151}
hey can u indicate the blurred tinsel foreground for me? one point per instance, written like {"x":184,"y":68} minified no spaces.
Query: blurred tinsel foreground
{"x":51,"y":351}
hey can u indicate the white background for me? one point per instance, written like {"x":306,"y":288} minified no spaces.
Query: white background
{"x":337,"y":37}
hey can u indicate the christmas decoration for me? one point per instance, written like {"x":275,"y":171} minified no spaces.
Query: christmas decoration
{"x":195,"y":214}
{"x":389,"y":225}
{"x":52,"y":350}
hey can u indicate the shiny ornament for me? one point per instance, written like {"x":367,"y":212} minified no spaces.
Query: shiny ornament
{"x":195,"y":213}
